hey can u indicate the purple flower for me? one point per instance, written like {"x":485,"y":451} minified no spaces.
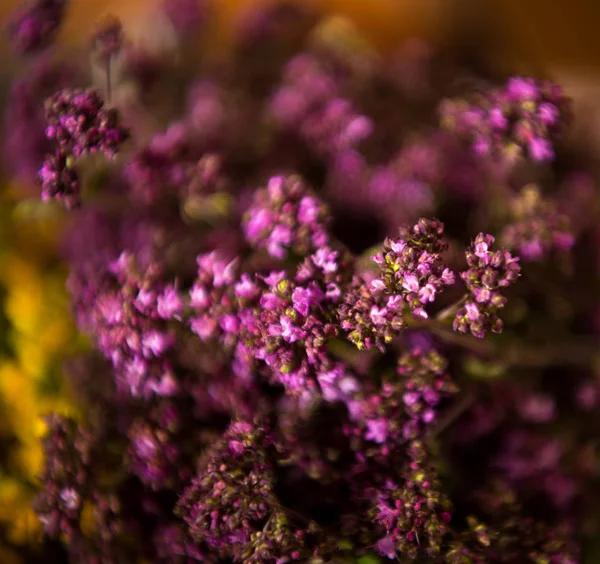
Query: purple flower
{"x":549,"y":113}
{"x":228,"y":504}
{"x":59,"y":180}
{"x":378,"y":315}
{"x":77,"y":121}
{"x":169,"y":304}
{"x":540,"y":150}
{"x":370,"y":316}
{"x":188,"y":17}
{"x":66,"y":475}
{"x":538,"y":408}
{"x":386,"y":547}
{"x":411,"y":267}
{"x":155,"y":453}
{"x":34,"y":26}
{"x":308,"y":210}
{"x":537,"y":229}
{"x":586,"y":395}
{"x":307,"y":103}
{"x":489,"y":271}
{"x":521,"y":89}
{"x":107,"y":39}
{"x":412,"y":515}
{"x":213,"y":298}
{"x":128,"y":329}
{"x":246,"y":288}
{"x":302,"y":299}
{"x":286,"y":217}
{"x":286,"y":330}
{"x":376,"y":430}
{"x":25,"y":143}
{"x":525,"y":116}
{"x":155,"y":343}
{"x":338,"y":384}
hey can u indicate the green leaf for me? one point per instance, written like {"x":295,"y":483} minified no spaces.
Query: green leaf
{"x":482,"y":369}
{"x":36,"y":209}
{"x":368,"y":559}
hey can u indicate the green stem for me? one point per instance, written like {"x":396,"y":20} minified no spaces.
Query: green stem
{"x":108,"y":81}
{"x":454,"y":413}
{"x":578,"y":352}
{"x":451,"y":310}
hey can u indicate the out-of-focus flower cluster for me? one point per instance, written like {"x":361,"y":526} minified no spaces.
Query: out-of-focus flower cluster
{"x":332,"y":318}
{"x":522,"y":118}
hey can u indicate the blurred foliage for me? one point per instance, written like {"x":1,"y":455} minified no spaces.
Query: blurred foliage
{"x":36,"y":334}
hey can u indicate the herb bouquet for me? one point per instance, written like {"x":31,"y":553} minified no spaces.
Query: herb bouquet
{"x":343,"y":306}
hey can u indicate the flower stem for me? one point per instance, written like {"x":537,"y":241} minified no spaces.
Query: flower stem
{"x":513,"y":353}
{"x":451,"y":310}
{"x":108,"y":80}
{"x":454,"y":413}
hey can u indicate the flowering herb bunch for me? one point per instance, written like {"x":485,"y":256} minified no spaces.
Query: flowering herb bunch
{"x":343,"y":307}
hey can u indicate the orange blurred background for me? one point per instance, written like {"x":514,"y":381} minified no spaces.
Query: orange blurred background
{"x":383,"y":21}
{"x":555,"y":33}
{"x":555,"y":38}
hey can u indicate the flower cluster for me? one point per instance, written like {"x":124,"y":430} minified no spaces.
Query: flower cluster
{"x":34,"y":26}
{"x":212,"y":301}
{"x":411,"y":267}
{"x":427,"y":382}
{"x":155,"y":448}
{"x":538,"y":227}
{"x":188,"y":17}
{"x":411,"y":274}
{"x":59,"y":179}
{"x":235,"y":492}
{"x":524,"y":117}
{"x":108,"y":39}
{"x":232,"y":506}
{"x":415,"y":516}
{"x":488,"y":273}
{"x":78,"y":124}
{"x":370,"y":317}
{"x":286,"y":217}
{"x":408,"y":185}
{"x":404,"y":408}
{"x":129,"y":321}
{"x":283,"y":322}
{"x":66,"y":474}
{"x":296,"y":320}
{"x":162,"y":168}
{"x":308,"y":104}
{"x":26,"y":145}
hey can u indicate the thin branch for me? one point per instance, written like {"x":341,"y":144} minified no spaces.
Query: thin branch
{"x":454,"y":413}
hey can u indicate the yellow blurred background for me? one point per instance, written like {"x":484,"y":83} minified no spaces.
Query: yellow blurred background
{"x":36,"y":334}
